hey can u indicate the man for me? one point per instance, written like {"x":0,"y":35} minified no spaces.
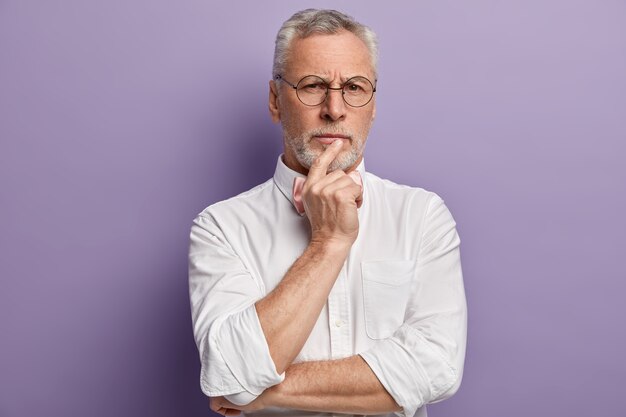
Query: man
{"x":327,"y":289}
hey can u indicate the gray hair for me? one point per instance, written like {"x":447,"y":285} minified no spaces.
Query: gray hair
{"x":313,"y":21}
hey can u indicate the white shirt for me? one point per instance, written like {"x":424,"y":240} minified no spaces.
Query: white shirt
{"x":399,"y":299}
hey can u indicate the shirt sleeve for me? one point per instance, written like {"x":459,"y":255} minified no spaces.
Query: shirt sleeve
{"x":234,"y":355}
{"x":422,"y":362}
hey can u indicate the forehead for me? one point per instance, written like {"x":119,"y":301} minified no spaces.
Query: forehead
{"x":342,"y":55}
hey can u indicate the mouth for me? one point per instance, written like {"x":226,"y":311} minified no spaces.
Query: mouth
{"x":329,"y":138}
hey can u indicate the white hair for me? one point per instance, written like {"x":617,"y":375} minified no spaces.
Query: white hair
{"x":313,"y":21}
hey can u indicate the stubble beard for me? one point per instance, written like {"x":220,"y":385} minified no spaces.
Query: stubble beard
{"x":306,"y":155}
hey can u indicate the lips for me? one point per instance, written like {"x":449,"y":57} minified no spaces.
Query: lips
{"x":327,"y":139}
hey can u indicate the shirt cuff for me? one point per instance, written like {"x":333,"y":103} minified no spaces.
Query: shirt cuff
{"x":411,"y":371}
{"x":241,"y":398}
{"x":237,"y":348}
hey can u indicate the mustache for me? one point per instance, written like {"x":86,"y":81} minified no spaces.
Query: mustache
{"x":329,"y":130}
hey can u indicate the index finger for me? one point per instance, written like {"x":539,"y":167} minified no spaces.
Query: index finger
{"x":320,"y":166}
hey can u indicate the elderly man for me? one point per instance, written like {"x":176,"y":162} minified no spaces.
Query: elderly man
{"x":327,"y":289}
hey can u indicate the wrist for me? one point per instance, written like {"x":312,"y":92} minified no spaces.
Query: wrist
{"x":331,"y":247}
{"x":275,"y":395}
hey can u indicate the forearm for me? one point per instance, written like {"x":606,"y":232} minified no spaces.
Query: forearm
{"x":341,"y":386}
{"x":290,"y":311}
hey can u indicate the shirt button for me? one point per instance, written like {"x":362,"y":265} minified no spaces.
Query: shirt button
{"x":338,"y":323}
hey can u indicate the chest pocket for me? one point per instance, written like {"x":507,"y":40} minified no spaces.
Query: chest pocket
{"x":386,"y":291}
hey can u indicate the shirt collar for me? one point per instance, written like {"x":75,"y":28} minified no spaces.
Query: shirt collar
{"x":284,"y":176}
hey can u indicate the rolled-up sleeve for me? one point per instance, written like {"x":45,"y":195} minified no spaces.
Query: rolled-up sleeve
{"x":234,"y":354}
{"x":422,"y":362}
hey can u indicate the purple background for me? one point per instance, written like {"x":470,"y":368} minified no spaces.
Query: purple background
{"x":121,"y":120}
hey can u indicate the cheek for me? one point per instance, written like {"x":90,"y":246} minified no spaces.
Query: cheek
{"x":298,"y":120}
{"x":366,"y":122}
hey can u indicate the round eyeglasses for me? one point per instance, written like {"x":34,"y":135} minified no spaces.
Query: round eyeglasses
{"x":313,"y":90}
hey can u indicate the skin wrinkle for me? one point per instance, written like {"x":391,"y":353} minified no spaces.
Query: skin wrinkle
{"x":345,"y":58}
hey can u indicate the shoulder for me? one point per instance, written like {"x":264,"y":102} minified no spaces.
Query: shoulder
{"x":245,"y":203}
{"x":384,"y":190}
{"x":411,"y":213}
{"x":415,"y":206}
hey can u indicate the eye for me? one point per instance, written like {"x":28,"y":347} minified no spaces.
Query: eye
{"x":354,"y":87}
{"x":313,"y":87}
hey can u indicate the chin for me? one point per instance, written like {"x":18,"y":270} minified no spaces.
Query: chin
{"x":344,"y":161}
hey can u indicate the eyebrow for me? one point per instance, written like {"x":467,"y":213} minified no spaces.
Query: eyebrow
{"x":342,"y":80}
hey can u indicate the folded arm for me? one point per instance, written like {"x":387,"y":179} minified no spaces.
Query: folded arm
{"x":341,"y":386}
{"x":336,"y":386}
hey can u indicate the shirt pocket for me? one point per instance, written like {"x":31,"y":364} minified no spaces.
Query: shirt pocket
{"x":386,"y":291}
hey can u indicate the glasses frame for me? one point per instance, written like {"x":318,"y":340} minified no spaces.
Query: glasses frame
{"x":279,"y":77}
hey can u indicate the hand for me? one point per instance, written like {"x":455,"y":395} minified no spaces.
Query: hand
{"x":224,"y":407}
{"x":331,"y":200}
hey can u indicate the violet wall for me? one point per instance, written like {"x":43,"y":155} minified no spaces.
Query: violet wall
{"x":121,"y":120}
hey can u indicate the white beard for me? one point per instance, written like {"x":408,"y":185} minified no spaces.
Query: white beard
{"x":305,"y":155}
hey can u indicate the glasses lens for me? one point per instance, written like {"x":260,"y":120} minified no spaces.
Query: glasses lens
{"x":311,"y":90}
{"x":358,"y":91}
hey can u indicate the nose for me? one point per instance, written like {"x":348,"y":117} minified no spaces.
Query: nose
{"x":333,"y":108}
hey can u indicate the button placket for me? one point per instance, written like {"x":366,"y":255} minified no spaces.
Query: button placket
{"x":338,"y":317}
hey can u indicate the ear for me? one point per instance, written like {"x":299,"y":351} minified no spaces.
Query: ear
{"x":374,"y":109}
{"x":273,"y":104}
